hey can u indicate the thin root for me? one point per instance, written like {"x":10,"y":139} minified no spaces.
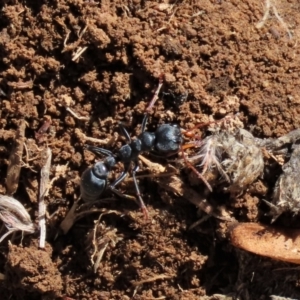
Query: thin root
{"x":78,"y":53}
{"x":75,"y":115}
{"x":45,"y":171}
{"x":85,"y":138}
{"x":270,"y":4}
{"x":151,"y":279}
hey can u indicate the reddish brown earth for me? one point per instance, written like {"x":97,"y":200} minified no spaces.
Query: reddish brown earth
{"x":216,"y":62}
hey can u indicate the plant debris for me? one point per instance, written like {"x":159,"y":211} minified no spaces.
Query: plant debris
{"x":276,"y":243}
{"x":14,"y":216}
{"x":15,"y":159}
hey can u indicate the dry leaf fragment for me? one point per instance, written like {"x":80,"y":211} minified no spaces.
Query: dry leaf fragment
{"x":279,"y":244}
{"x":14,"y":215}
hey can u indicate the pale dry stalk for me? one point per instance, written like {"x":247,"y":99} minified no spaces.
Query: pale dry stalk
{"x":261,"y":23}
{"x":108,"y":141}
{"x":151,"y":279}
{"x":75,"y":115}
{"x":78,"y":53}
{"x":100,"y":245}
{"x":74,"y":45}
{"x":78,"y":211}
{"x":45,"y":172}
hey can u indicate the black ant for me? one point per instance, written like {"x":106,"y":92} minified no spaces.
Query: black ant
{"x":167,"y":139}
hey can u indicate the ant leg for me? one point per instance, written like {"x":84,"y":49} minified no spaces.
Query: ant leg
{"x":138,"y":193}
{"x":195,"y":171}
{"x":155,"y":96}
{"x":125,"y":132}
{"x":120,"y":194}
{"x":144,"y":123}
{"x":190,"y":132}
{"x":98,"y":150}
{"x":191,"y":145}
{"x":152,"y":102}
{"x":112,"y":186}
{"x":121,"y":177}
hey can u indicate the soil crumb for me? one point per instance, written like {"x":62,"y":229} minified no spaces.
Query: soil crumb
{"x":32,"y":270}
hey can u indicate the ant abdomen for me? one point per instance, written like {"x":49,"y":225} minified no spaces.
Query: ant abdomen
{"x":93,"y":182}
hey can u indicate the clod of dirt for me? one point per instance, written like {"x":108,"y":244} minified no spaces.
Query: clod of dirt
{"x":32,"y":270}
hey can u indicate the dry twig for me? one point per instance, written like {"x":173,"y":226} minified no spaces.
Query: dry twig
{"x":79,"y":211}
{"x":20,"y":85}
{"x":66,"y":101}
{"x":78,"y":53}
{"x":155,"y":96}
{"x":45,"y":172}
{"x":167,"y":179}
{"x":80,"y":135}
{"x":70,"y":218}
{"x":109,"y":237}
{"x":151,"y":279}
{"x":75,"y":115}
{"x":157,"y":170}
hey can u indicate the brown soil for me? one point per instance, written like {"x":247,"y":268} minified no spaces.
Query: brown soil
{"x":216,"y":62}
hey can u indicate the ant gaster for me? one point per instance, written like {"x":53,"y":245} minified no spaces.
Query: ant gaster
{"x":94,"y":179}
{"x":167,"y":139}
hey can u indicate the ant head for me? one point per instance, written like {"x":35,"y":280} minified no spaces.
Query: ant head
{"x":168,"y":138}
